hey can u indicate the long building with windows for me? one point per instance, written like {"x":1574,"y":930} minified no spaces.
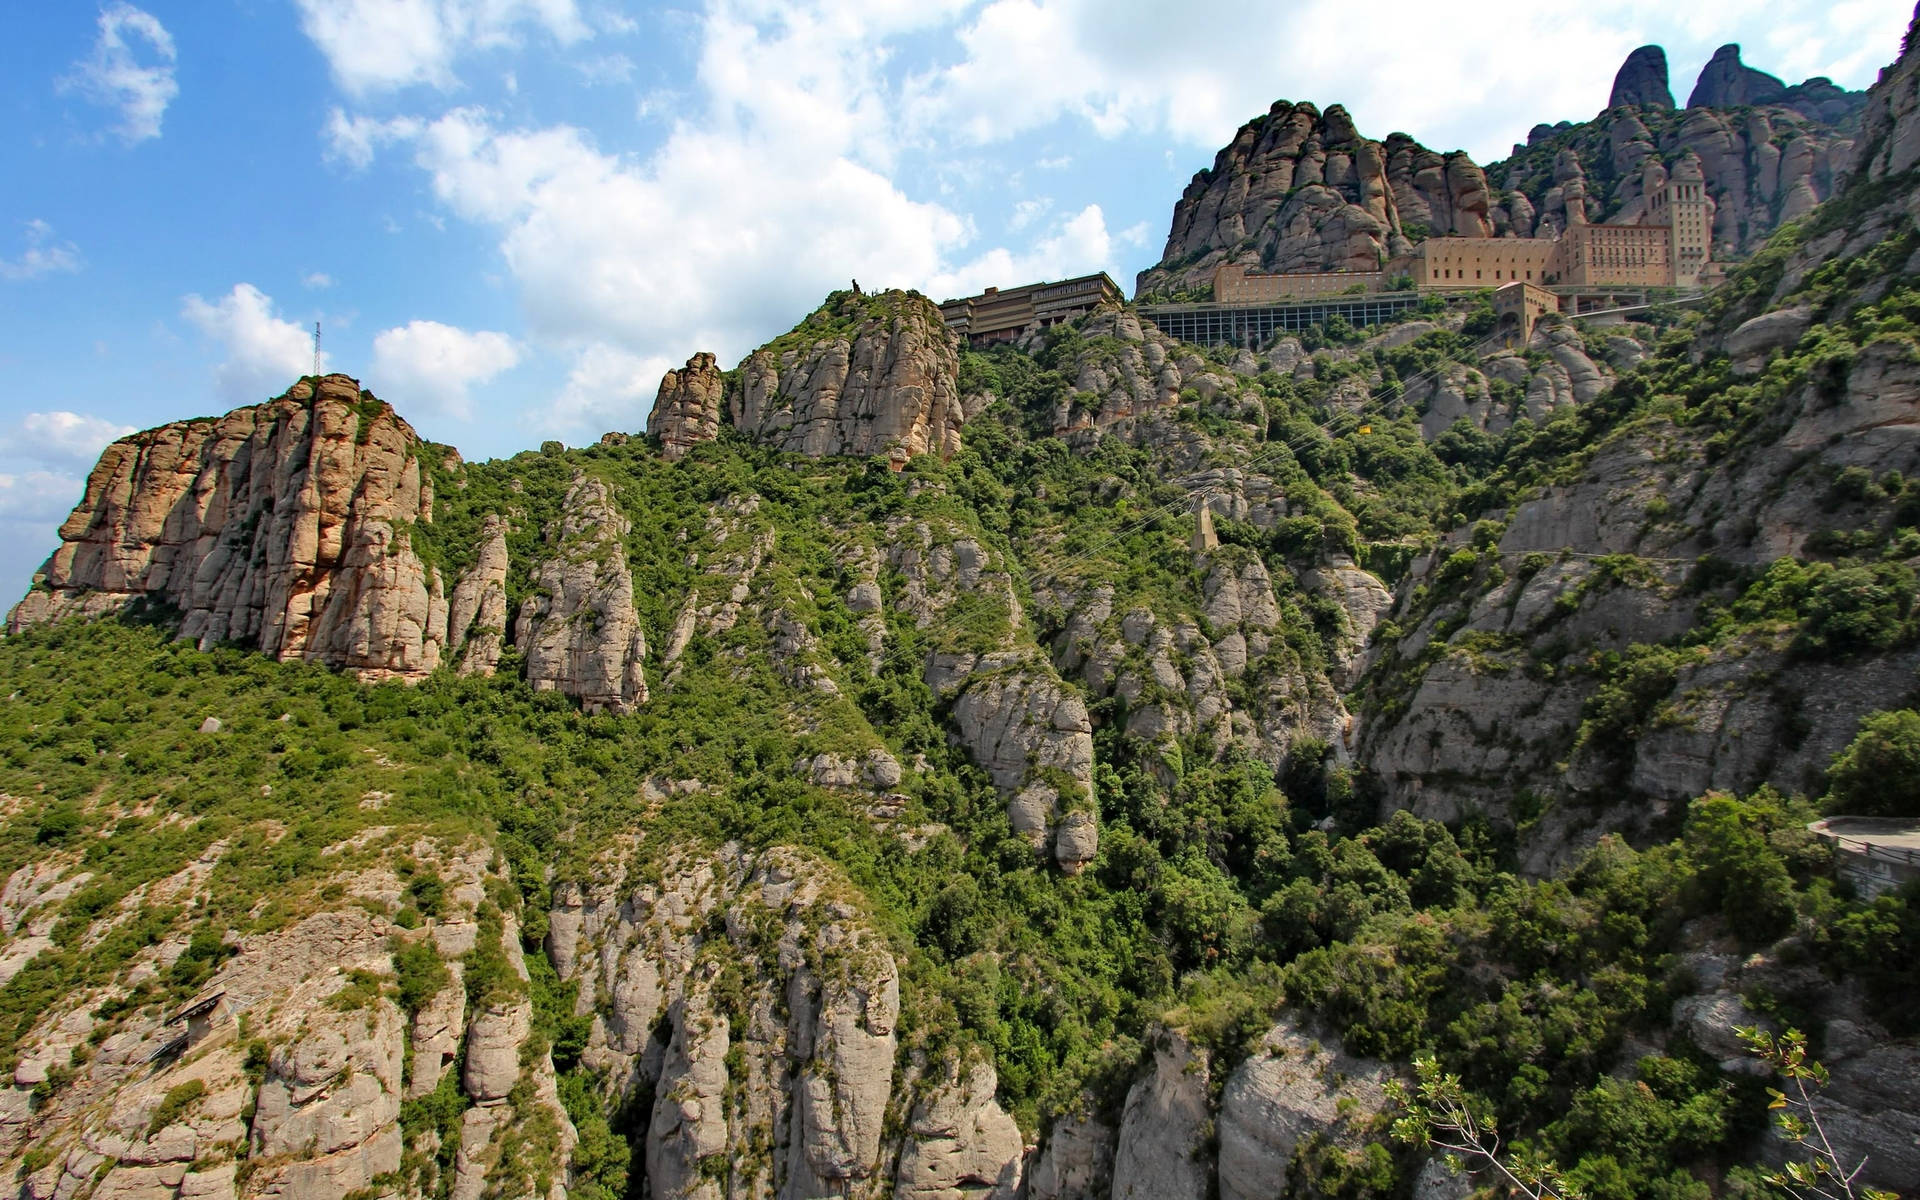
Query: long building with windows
{"x":1004,"y":315}
{"x":1669,"y":248}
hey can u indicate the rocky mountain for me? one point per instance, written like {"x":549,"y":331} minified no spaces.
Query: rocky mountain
{"x":1768,"y":153}
{"x":1642,"y":81}
{"x":1090,"y":768}
{"x":1299,"y":191}
{"x":1726,"y":82}
{"x":285,"y":525}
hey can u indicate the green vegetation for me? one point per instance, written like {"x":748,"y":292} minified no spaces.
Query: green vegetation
{"x":175,"y":1104}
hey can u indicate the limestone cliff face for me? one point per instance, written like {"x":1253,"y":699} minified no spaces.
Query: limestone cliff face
{"x":689,"y":406}
{"x":1298,"y":190}
{"x":758,"y":1010}
{"x":578,"y":630}
{"x":1727,"y":82}
{"x":283,"y":525}
{"x":864,"y":375}
{"x":1642,"y":80}
{"x":1495,"y":707}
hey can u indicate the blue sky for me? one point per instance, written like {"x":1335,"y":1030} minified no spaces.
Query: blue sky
{"x":510,"y":216}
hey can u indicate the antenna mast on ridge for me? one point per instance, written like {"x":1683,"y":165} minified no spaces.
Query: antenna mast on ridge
{"x":316,"y":347}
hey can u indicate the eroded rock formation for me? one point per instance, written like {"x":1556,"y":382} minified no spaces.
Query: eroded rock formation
{"x":578,"y":630}
{"x":284,"y":525}
{"x":864,"y":375}
{"x":689,"y":406}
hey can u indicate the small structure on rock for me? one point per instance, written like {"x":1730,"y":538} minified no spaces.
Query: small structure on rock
{"x":1876,"y":854}
{"x":202,"y":1017}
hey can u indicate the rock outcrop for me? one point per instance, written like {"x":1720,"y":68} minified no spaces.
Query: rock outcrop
{"x":688,"y":408}
{"x":285,"y":526}
{"x":1165,"y":1125}
{"x":1295,"y":1088}
{"x":578,"y":630}
{"x":1726,"y":82}
{"x":1297,"y":190}
{"x":960,"y":1144}
{"x":781,"y":1088}
{"x":864,"y":375}
{"x":1642,"y":81}
{"x":477,"y":613}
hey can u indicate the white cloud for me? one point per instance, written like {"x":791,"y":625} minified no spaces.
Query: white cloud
{"x":608,"y":388}
{"x":43,"y":255}
{"x":427,"y":364}
{"x":721,"y":235}
{"x":316,"y":281}
{"x":353,"y":140}
{"x":1078,"y":245}
{"x":265,"y":354}
{"x":380,"y":45}
{"x":38,"y":498}
{"x":1125,"y":68}
{"x":1026,"y":212}
{"x":114,"y":76}
{"x":64,"y":436}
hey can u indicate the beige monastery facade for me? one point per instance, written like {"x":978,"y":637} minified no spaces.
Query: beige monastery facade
{"x":1670,"y":247}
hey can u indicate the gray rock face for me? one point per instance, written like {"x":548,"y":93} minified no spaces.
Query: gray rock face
{"x":863,"y":375}
{"x":1642,"y":80}
{"x":578,"y":630}
{"x":477,"y":613}
{"x":1165,"y":1126}
{"x":688,"y":407}
{"x":1034,"y":738}
{"x":280,"y":525}
{"x":1726,"y":82}
{"x":1292,"y":1089}
{"x":960,"y":1144}
{"x":800,"y":1066}
{"x":1890,"y":123}
{"x":1076,"y":1163}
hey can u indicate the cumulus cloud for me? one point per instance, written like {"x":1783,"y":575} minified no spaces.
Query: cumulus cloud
{"x":1123,"y":68}
{"x":130,"y":69}
{"x":433,"y":365}
{"x":316,"y":280}
{"x":352,"y":140}
{"x":1078,"y":244}
{"x":264,"y":353}
{"x":380,"y":45}
{"x":607,"y":389}
{"x":43,"y":256}
{"x":58,"y":436}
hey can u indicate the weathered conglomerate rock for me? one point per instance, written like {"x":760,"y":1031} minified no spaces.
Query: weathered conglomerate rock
{"x":960,"y":1144}
{"x":1642,"y":80}
{"x":1075,"y":1162}
{"x":1035,"y":740}
{"x":785,"y":1086}
{"x":688,"y":408}
{"x":1726,"y":82}
{"x":578,"y":630}
{"x":1294,"y":1088}
{"x":864,"y":375}
{"x":477,"y":613}
{"x":1165,"y":1125}
{"x":311,"y":1098}
{"x":1297,"y":190}
{"x":284,"y":525}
